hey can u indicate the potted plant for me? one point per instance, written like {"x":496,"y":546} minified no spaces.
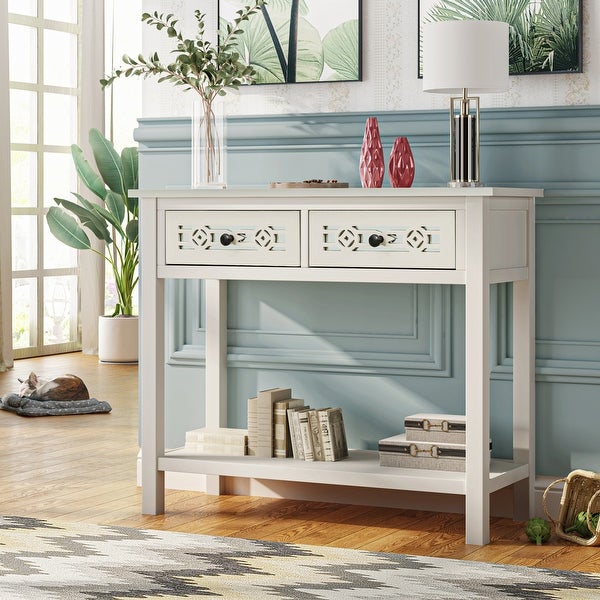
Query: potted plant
{"x":113,"y":219}
{"x":206,"y":68}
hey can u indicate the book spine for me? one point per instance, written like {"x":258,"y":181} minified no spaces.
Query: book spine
{"x":292,"y":431}
{"x":296,"y":432}
{"x":327,"y":445}
{"x":306,"y":434}
{"x":338,"y":434}
{"x":280,"y":435}
{"x":315,"y":432}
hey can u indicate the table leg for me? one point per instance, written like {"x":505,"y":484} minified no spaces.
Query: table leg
{"x":477,"y":376}
{"x":152,"y":368}
{"x":215,"y":294}
{"x":524,"y":396}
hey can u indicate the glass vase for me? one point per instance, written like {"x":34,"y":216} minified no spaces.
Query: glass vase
{"x":208,"y":145}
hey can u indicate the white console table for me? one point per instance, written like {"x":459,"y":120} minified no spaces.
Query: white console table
{"x":472,"y":237}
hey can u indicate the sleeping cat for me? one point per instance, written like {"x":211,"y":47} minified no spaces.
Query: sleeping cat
{"x":65,"y":387}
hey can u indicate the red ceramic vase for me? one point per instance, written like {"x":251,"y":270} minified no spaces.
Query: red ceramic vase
{"x":372,"y":163}
{"x":402,"y":164}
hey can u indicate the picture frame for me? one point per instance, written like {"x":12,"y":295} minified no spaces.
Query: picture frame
{"x":545,"y":35}
{"x":328,"y":40}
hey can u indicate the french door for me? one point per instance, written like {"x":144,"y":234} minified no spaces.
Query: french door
{"x":45,"y":94}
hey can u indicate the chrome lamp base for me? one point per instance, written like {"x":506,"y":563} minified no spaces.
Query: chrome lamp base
{"x":464,"y":141}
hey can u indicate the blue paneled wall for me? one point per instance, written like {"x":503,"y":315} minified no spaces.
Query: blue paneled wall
{"x":385,"y":351}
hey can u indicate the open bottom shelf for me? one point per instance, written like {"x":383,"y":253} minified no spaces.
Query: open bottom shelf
{"x":360,"y":469}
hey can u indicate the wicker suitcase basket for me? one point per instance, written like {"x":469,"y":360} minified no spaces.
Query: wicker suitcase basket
{"x":581,"y":492}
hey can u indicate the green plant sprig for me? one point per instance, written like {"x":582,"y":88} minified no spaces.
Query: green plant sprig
{"x":199,"y":65}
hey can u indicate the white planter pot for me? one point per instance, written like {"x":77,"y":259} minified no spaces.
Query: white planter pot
{"x":118,"y":339}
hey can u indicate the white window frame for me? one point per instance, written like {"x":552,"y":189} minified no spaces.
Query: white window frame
{"x":6,"y":353}
{"x":90,"y":269}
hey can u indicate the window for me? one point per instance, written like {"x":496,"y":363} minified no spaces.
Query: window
{"x":45,"y":98}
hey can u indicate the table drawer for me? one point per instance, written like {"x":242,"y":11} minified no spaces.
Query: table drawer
{"x":404,"y":239}
{"x":235,"y":237}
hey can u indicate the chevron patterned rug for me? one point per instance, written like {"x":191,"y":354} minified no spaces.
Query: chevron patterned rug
{"x":41,"y":560}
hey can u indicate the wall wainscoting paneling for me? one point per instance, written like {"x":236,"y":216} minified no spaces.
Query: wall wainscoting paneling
{"x":553,"y":148}
{"x":415,"y":338}
{"x":398,"y":354}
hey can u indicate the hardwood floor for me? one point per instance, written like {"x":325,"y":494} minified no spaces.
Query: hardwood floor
{"x":83,"y":468}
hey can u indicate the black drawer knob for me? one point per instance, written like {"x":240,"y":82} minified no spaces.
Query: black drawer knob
{"x":375,"y":239}
{"x":226,"y":239}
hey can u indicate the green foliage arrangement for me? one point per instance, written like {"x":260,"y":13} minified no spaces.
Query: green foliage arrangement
{"x":199,"y":65}
{"x":113,"y":220}
{"x":543,"y":37}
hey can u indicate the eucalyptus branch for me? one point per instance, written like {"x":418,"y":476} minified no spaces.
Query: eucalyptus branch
{"x":199,"y":65}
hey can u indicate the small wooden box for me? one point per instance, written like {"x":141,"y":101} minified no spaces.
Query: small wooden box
{"x":436,"y":428}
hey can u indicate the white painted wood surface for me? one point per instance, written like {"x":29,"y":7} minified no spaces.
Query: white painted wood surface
{"x":494,"y":242}
{"x":416,"y":239}
{"x":233,"y":237}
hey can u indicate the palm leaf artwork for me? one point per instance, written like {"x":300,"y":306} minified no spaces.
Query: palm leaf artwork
{"x":341,"y":50}
{"x":285,"y":42}
{"x":257,"y":43}
{"x":557,"y":29}
{"x":544,"y":35}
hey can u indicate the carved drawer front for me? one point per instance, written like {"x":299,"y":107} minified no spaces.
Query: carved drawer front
{"x":404,"y":239}
{"x":235,"y":237}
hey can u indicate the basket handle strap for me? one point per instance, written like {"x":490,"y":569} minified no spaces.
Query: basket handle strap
{"x":588,"y":514}
{"x":544,"y":503}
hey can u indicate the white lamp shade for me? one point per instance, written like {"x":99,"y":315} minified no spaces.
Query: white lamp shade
{"x":465,"y":54}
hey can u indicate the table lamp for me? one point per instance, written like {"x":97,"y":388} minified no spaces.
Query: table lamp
{"x":463,"y":57}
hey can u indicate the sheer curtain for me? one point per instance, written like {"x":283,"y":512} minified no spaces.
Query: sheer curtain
{"x":6,"y":356}
{"x":91,"y":114}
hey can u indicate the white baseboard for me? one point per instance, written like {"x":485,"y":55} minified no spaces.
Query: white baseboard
{"x":501,"y":501}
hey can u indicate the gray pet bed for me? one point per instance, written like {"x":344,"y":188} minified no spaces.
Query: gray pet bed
{"x":27,"y":407}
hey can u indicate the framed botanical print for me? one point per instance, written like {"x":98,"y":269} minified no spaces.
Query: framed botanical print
{"x":298,"y":41}
{"x":545,"y":35}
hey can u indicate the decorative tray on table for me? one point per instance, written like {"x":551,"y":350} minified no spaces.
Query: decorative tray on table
{"x":310,"y":183}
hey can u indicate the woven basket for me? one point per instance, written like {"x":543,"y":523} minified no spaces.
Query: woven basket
{"x":580,"y":493}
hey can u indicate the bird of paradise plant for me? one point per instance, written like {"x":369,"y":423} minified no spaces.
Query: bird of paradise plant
{"x":112,"y":219}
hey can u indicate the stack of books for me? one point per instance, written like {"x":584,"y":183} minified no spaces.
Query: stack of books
{"x":283,"y":427}
{"x":217,"y":441}
{"x":268,"y":430}
{"x":317,"y":434}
